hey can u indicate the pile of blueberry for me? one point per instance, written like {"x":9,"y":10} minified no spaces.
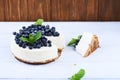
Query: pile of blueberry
{"x":45,"y":31}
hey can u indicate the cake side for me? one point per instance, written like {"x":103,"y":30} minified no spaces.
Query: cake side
{"x":92,"y":46}
{"x":40,"y":62}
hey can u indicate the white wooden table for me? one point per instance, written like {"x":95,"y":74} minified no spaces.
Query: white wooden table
{"x":103,"y":64}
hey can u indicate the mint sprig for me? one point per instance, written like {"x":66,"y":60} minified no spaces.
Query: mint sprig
{"x":32,"y":38}
{"x":74,"y":41}
{"x":78,"y":75}
{"x":39,"y":22}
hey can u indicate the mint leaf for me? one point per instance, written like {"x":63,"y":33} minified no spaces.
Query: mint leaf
{"x":78,"y":75}
{"x":39,"y":22}
{"x":32,"y":38}
{"x":73,"y":41}
{"x":79,"y":37}
{"x":37,"y":36}
{"x":24,"y":39}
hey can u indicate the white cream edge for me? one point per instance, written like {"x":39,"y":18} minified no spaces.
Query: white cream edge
{"x":84,"y":43}
{"x":58,"y":41}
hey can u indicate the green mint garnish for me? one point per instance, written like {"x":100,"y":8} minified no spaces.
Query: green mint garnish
{"x":39,"y":22}
{"x":78,"y":75}
{"x":74,"y":41}
{"x":79,"y":37}
{"x":32,"y":38}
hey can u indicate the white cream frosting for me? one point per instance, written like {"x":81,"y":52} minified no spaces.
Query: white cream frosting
{"x":84,"y":43}
{"x":58,"y":41}
{"x":34,"y":55}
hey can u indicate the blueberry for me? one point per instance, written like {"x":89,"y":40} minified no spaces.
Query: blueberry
{"x":25,"y":35}
{"x":29,"y":26}
{"x":47,"y":30}
{"x":20,"y":44}
{"x":31,"y":30}
{"x":49,"y":41}
{"x":20,"y":31}
{"x":17,"y":36}
{"x":14,"y":33}
{"x":47,"y":26}
{"x":27,"y":32}
{"x":42,"y":44}
{"x":34,"y":45}
{"x":17,"y":42}
{"x":45,"y":44}
{"x":42,"y":29}
{"x":48,"y":34}
{"x":33,"y":33}
{"x":44,"y":40}
{"x":77,"y":42}
{"x":56,"y":34}
{"x":23,"y":46}
{"x":39,"y":46}
{"x":53,"y":29}
{"x":43,"y":26}
{"x":33,"y":25}
{"x":30,"y":47}
{"x":23,"y":27}
{"x":74,"y":46}
{"x":42,"y":32}
{"x":17,"y":39}
{"x":49,"y":44}
{"x":26,"y":43}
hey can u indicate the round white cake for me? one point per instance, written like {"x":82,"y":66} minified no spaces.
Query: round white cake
{"x":37,"y":44}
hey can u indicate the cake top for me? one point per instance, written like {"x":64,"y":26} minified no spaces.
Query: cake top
{"x":34,"y":36}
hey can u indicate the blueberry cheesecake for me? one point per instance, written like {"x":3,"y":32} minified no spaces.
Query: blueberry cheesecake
{"x":85,"y":44}
{"x":37,"y":44}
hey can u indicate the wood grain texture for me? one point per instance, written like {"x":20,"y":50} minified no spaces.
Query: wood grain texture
{"x":14,"y":8}
{"x":60,"y":10}
{"x":31,"y":10}
{"x":105,"y":10}
{"x":72,"y":10}
{"x":115,"y":10}
{"x":23,"y":10}
{"x":92,"y":10}
{"x":55,"y":10}
{"x":42,"y":9}
{"x":1,"y":10}
{"x":7,"y":11}
{"x":65,"y":9}
{"x":86,"y":10}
